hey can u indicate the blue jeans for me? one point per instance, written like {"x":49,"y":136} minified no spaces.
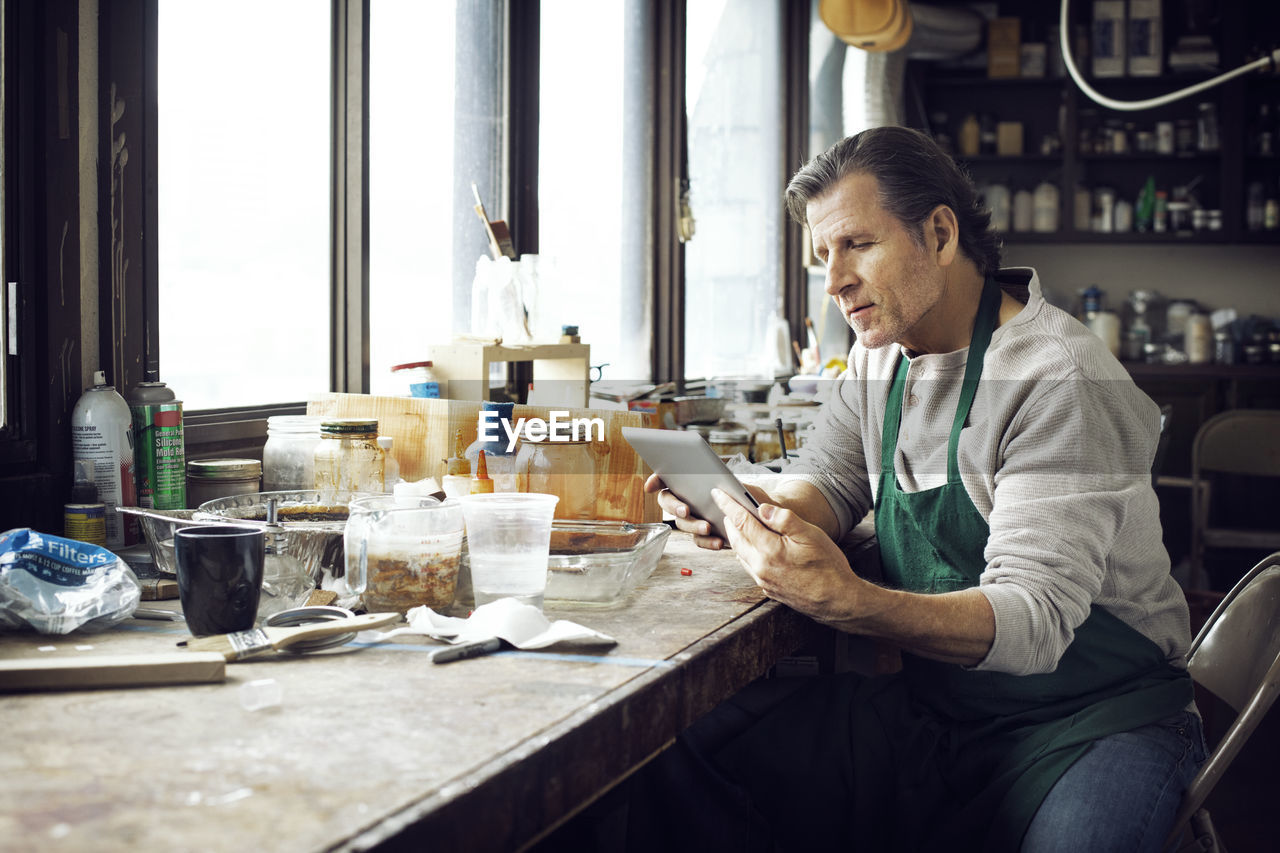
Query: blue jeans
{"x":1123,"y":794}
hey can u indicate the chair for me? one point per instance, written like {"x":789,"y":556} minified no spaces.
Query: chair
{"x":1240,"y":441}
{"x":1236,"y":656}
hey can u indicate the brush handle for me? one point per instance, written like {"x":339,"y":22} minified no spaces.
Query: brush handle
{"x":282,"y":638}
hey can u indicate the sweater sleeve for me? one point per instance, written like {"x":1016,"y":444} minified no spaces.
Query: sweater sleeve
{"x":1072,"y":460}
{"x":833,"y":458}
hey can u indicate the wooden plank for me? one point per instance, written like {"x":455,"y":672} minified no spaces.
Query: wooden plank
{"x":424,"y":429}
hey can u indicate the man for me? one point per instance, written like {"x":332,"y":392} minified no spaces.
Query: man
{"x":1044,"y":701}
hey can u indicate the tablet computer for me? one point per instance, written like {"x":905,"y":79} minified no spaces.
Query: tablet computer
{"x":690,"y":469}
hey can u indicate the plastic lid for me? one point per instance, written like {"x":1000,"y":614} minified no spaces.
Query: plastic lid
{"x":349,"y":426}
{"x":410,"y":365}
{"x":294,"y":423}
{"x":224,"y":469}
{"x":386,"y":441}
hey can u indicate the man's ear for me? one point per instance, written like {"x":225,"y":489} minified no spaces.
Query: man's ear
{"x":944,"y":226}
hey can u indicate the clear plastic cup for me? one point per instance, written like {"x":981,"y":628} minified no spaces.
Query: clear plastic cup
{"x":509,"y":540}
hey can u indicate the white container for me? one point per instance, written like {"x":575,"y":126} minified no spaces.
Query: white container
{"x":1023,"y":210}
{"x":390,"y":467}
{"x":1045,"y":218}
{"x":1106,"y":325}
{"x":102,"y":436}
{"x":288,"y":457}
{"x":1000,"y":204}
{"x":419,"y":378}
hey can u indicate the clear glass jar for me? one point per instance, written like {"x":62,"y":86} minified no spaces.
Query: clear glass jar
{"x":288,"y":457}
{"x":566,"y":469}
{"x":727,"y":442}
{"x":210,"y":479}
{"x":765,"y":444}
{"x":348,"y":457}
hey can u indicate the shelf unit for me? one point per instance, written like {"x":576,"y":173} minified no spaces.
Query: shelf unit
{"x":941,"y":95}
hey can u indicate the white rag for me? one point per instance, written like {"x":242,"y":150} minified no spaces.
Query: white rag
{"x":521,"y":625}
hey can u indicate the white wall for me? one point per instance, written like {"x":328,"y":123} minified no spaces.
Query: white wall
{"x":1244,"y":277}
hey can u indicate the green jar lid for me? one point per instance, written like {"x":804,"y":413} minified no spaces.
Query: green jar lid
{"x":349,"y":426}
{"x":224,"y":469}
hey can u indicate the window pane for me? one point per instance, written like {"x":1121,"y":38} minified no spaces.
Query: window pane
{"x":436,"y":125}
{"x":733,"y":266}
{"x":244,"y":200}
{"x":594,"y":177}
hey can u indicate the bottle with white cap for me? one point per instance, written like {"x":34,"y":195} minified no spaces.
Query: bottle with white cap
{"x":102,"y":436}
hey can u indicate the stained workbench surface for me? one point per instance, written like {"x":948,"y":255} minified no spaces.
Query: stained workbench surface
{"x":374,"y":744}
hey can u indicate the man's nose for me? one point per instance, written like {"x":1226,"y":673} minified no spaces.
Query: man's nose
{"x":840,"y":274}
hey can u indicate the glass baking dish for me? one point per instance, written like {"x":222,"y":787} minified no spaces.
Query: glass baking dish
{"x":601,"y":562}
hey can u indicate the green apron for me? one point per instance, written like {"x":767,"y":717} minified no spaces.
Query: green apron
{"x":998,"y":742}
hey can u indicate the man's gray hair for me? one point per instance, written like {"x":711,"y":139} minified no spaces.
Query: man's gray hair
{"x":913,"y":176}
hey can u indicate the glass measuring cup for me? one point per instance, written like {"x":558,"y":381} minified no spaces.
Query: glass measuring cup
{"x":402,"y":552}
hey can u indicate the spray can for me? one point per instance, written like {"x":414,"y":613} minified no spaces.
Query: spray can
{"x":160,"y":452}
{"x":102,"y":436}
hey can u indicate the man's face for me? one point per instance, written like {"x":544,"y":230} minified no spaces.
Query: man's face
{"x":883,"y":282}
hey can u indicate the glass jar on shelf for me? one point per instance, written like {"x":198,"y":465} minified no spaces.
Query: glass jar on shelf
{"x":727,"y":441}
{"x":562,"y":467}
{"x":288,"y":457}
{"x":348,"y":457}
{"x":766,"y":445}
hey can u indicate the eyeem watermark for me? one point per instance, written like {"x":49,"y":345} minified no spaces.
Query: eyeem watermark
{"x":560,"y":427}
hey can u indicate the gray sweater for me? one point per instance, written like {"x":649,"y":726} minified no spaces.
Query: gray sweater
{"x":1056,"y":456}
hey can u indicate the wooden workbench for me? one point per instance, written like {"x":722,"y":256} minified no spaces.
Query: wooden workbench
{"x":375,"y":746}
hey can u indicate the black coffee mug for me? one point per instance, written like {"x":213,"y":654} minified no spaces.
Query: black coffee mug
{"x":219,"y":576}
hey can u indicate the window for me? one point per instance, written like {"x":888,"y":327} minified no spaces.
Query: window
{"x":595,"y":181}
{"x":436,"y":126}
{"x":733,"y":267}
{"x":244,"y":154}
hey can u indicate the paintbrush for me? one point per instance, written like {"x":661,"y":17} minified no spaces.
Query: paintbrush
{"x":813,"y":341}
{"x":255,"y":641}
{"x":499,"y":235}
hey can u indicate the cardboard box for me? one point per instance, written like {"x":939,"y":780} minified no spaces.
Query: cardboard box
{"x":1145,"y":38}
{"x":1034,"y":59}
{"x":1009,"y":138}
{"x":1108,"y":43}
{"x":1004,"y":45}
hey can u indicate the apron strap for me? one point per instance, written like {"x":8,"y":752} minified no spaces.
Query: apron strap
{"x":983,"y":326}
{"x":893,"y":416}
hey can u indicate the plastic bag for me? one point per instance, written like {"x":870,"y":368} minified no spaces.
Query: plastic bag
{"x":56,"y":585}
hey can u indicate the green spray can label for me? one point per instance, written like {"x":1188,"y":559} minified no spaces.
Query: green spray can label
{"x":159,"y":447}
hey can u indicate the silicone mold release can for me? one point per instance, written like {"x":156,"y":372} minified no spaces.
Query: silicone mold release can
{"x":159,"y":449}
{"x":102,"y":436}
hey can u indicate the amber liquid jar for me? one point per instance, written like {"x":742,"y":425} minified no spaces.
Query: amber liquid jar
{"x":348,"y":457}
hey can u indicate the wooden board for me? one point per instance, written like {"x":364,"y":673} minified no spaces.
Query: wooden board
{"x":424,"y":429}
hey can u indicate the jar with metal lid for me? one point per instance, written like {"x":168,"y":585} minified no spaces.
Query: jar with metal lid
{"x":210,"y":479}
{"x":288,"y":457}
{"x":348,"y":457}
{"x":564,"y":467}
{"x":1199,"y":338}
{"x":729,"y":441}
